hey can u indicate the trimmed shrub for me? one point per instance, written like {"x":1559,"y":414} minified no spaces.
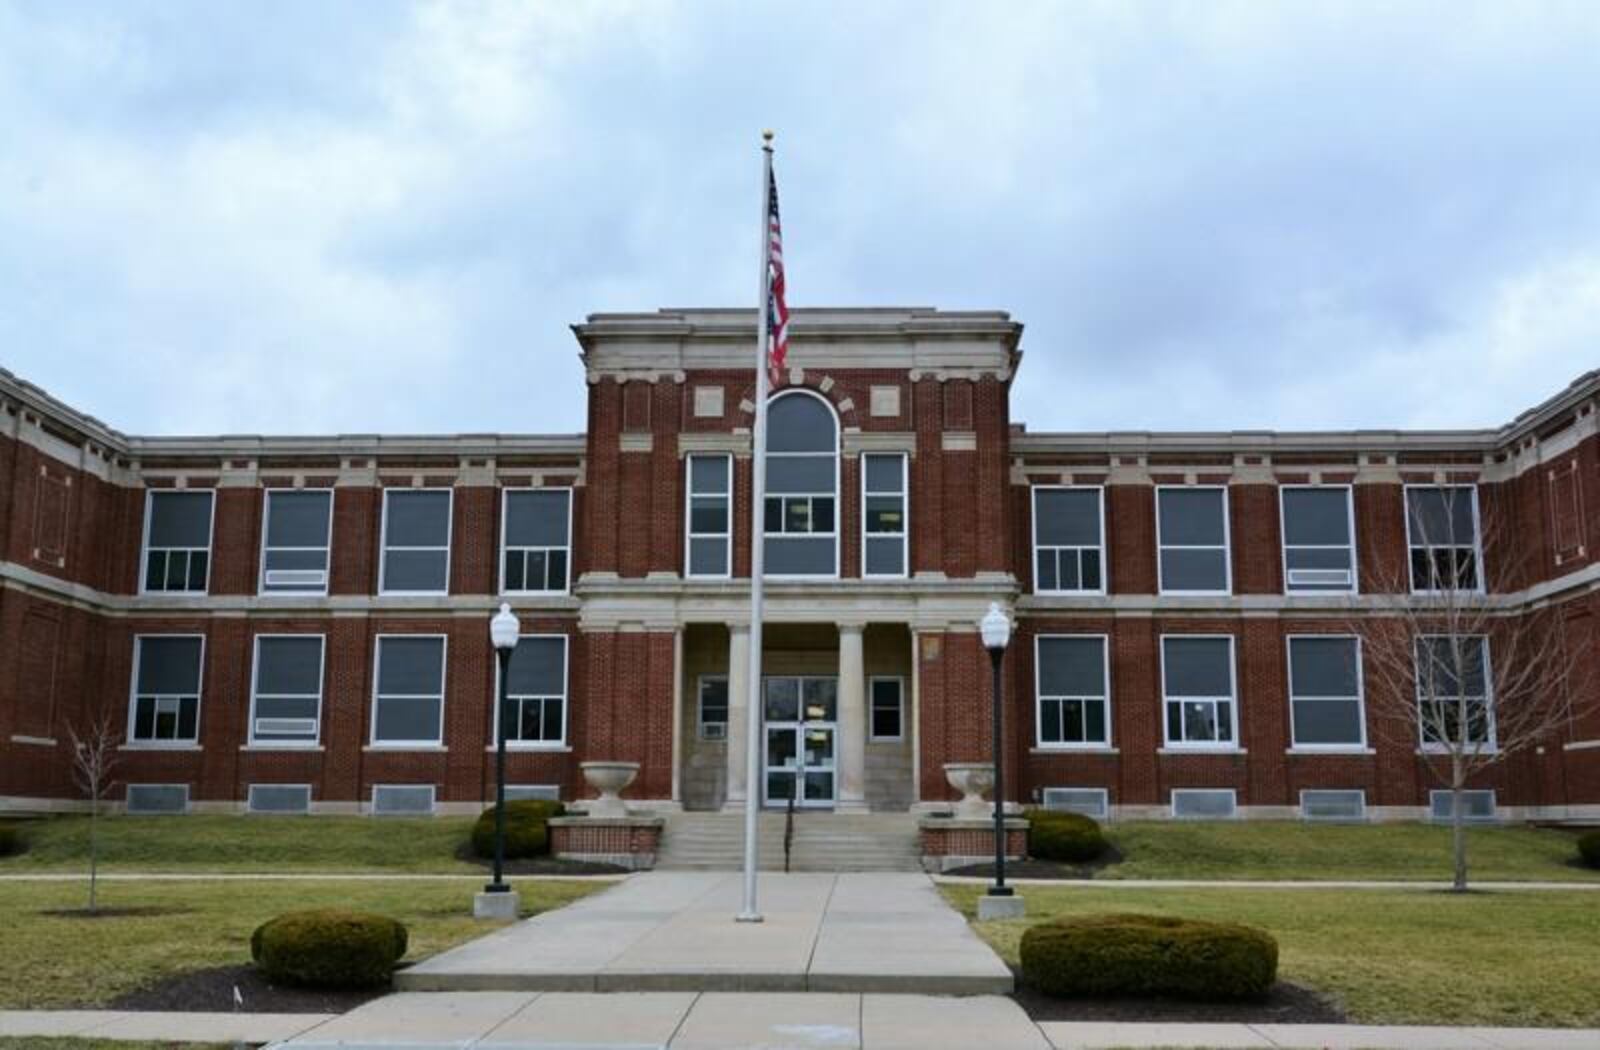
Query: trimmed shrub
{"x":527,"y":829}
{"x":1589,"y":848}
{"x":1149,"y":955}
{"x":1055,"y":834}
{"x":10,"y":840}
{"x":329,"y":948}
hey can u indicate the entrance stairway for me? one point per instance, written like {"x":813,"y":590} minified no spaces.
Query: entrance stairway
{"x":822,"y":842}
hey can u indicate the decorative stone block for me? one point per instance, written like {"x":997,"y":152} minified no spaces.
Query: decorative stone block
{"x":885,"y":401}
{"x":708,"y":401}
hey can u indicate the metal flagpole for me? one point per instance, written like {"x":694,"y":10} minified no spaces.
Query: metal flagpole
{"x":758,"y":459}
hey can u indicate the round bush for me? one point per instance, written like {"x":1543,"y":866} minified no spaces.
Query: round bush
{"x":1057,"y":835}
{"x":329,"y":948}
{"x":10,"y":840}
{"x":527,"y":829}
{"x":1149,"y":955}
{"x":1588,"y":848}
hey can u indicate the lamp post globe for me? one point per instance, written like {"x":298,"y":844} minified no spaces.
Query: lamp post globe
{"x":995,"y":629}
{"x":504,"y":628}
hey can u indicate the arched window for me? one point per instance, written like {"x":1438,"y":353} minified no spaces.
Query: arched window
{"x":802,"y":506}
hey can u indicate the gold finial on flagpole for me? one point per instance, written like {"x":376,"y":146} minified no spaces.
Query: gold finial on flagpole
{"x":766,"y":136}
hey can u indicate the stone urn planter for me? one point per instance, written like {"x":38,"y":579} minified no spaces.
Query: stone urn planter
{"x":973,"y":780}
{"x":608,"y":779}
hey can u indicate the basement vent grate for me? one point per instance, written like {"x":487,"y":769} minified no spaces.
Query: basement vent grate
{"x":1333,"y":805}
{"x":158,"y":798}
{"x":280,"y":798}
{"x":1204,"y":804}
{"x":402,"y":800}
{"x":1475,"y":805}
{"x":537,"y":792}
{"x":1091,"y":802}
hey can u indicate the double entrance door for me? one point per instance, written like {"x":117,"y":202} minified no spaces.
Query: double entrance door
{"x":801,"y":716}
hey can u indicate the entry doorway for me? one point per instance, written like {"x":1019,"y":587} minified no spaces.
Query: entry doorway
{"x":802,"y":727}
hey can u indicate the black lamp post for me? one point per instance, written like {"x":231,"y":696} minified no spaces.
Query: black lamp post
{"x":996,"y":631}
{"x":503,"y":631}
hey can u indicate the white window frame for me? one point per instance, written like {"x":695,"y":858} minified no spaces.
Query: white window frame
{"x":1360,"y":697}
{"x":255,"y":692}
{"x":1033,"y":525}
{"x":1232,"y":699}
{"x":565,"y":698}
{"x":872,"y":734}
{"x":383,"y":540}
{"x":1411,"y":547}
{"x":1226,"y":546}
{"x":145,"y":549}
{"x":689,"y":535}
{"x":1284,"y":545}
{"x":326,"y":549}
{"x":905,"y":516}
{"x":699,"y":709}
{"x":1491,"y":742}
{"x":837,"y":496}
{"x":444,"y":691}
{"x":505,"y":549}
{"x":1039,"y":697}
{"x":156,"y":743}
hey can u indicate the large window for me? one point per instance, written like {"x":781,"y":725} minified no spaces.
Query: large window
{"x":1318,"y":539}
{"x":1073,"y":686}
{"x":416,"y":542}
{"x":177,"y":541}
{"x":1442,"y":533}
{"x":536,"y":691}
{"x":801,"y":511}
{"x":883,"y":509}
{"x":709,"y":530}
{"x":166,"y":689}
{"x":1197,"y":690}
{"x":536,"y":531}
{"x":408,"y":698}
{"x":286,"y":691}
{"x":1325,"y":692}
{"x":1192,"y":540}
{"x":887,"y":714}
{"x":294,"y":545}
{"x":1068,"y":540}
{"x":1454,"y":706}
{"x":713,"y":707}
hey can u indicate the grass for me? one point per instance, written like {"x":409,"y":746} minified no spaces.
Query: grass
{"x":59,"y":961}
{"x":1264,"y":849}
{"x":74,"y":1042}
{"x":1388,"y":956}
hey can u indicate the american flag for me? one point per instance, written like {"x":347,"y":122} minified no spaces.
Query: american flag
{"x":777,"y":307}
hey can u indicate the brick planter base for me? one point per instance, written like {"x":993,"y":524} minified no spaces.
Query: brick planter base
{"x":949,"y":842}
{"x":629,"y":842}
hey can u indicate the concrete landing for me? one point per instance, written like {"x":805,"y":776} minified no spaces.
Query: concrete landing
{"x":675,"y":932}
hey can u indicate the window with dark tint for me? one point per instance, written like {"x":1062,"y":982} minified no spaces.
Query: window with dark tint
{"x":1325,"y":691}
{"x":1072,"y":690}
{"x":536,"y":692}
{"x":537,"y":539}
{"x":166,"y":701}
{"x":800,"y":512}
{"x":710,"y":516}
{"x":177,"y":551}
{"x":1193,"y":527}
{"x":1197,"y":686}
{"x":1318,"y":548}
{"x":416,"y":541}
{"x":288,"y":689}
{"x":1453,"y":691}
{"x":884,"y":506}
{"x":408,"y":707}
{"x":1442,"y":531}
{"x":1068,"y":546}
{"x":888,"y":708}
{"x":713,"y":717}
{"x":294,"y":555}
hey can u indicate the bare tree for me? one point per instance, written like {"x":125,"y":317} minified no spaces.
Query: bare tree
{"x":94,"y":756}
{"x":1465,"y":672}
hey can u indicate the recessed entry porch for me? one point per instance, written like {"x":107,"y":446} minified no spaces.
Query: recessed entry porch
{"x":837,"y":709}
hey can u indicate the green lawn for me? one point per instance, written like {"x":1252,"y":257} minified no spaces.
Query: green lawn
{"x":1389,"y":956}
{"x":59,"y":961}
{"x":1266,"y":849}
{"x":73,"y":1042}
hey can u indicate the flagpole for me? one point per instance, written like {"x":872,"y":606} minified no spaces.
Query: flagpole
{"x":758,"y":459}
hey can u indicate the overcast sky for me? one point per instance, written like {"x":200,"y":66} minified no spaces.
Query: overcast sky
{"x":302,"y":217}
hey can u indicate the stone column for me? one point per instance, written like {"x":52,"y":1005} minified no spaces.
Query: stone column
{"x":851,"y":742}
{"x":738,"y":712}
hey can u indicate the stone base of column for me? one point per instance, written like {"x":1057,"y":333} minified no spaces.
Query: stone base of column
{"x":949,"y":843}
{"x":629,"y":842}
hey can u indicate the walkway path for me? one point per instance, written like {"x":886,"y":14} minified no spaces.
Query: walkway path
{"x":675,"y":931}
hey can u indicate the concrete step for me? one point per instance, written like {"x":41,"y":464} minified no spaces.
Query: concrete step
{"x":822,"y":842}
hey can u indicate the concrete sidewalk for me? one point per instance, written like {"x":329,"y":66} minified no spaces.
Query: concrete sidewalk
{"x":675,"y":931}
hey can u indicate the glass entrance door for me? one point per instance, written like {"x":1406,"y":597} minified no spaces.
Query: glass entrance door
{"x":801,"y":720}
